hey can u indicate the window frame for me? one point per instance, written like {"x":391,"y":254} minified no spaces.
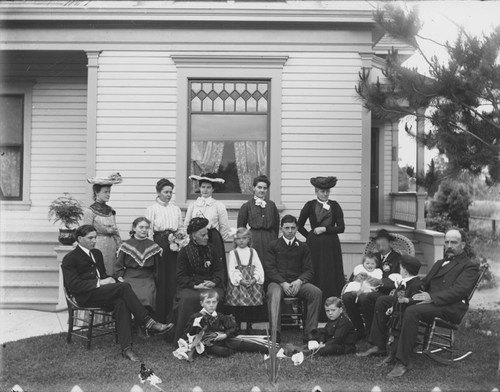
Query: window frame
{"x":26,"y":90}
{"x":196,"y":66}
{"x":228,"y":196}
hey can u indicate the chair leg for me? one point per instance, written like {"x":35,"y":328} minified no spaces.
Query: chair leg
{"x":71,"y":320}
{"x":116,"y":331}
{"x":452,"y":343}
{"x":89,"y":330}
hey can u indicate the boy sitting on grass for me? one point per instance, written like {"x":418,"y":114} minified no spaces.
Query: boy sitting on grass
{"x":213,"y":333}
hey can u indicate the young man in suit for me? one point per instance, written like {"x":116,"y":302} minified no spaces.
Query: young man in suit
{"x":85,"y":279}
{"x":445,"y":293}
{"x":288,"y":269}
{"x":360,"y":309}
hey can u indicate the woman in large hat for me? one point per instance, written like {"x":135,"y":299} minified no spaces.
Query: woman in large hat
{"x":327,"y":221}
{"x":166,"y":219}
{"x":102,"y":217}
{"x":207,"y":207}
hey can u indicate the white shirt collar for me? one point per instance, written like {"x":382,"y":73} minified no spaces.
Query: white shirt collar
{"x":289,"y":242}
{"x":214,"y":314}
{"x":87,"y":251}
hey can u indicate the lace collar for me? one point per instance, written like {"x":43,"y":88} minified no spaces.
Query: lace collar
{"x":204,"y":201}
{"x":102,"y":209}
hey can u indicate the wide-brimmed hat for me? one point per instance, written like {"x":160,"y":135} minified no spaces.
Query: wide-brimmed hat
{"x":324,"y":182}
{"x":411,"y":264}
{"x":383,"y":233}
{"x":112,"y":179}
{"x":207,"y":177}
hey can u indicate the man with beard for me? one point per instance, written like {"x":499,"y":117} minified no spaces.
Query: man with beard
{"x":445,"y":294}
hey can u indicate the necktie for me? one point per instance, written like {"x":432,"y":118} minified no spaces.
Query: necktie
{"x":96,"y":268}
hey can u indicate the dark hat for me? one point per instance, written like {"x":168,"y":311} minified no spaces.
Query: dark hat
{"x":383,"y":233}
{"x":412,"y":264}
{"x":196,"y":224}
{"x":324,"y":182}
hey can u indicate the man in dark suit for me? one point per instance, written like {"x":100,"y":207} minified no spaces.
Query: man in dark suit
{"x":446,"y":289}
{"x":360,"y":309}
{"x":289,"y":270}
{"x":85,"y":279}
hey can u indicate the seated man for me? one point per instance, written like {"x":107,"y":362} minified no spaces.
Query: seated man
{"x":447,"y":287}
{"x":85,"y":278}
{"x":288,"y":268}
{"x":360,"y":308}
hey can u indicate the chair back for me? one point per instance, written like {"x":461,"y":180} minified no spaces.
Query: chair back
{"x":69,"y":299}
{"x":400,"y":244}
{"x":483,"y":267}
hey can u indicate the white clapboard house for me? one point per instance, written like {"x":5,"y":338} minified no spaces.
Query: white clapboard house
{"x":156,"y":89}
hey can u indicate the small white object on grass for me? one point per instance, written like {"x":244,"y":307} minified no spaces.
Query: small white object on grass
{"x":317,"y":388}
{"x":255,"y":389}
{"x":436,"y":389}
{"x":197,"y":389}
{"x":376,"y":388}
{"x":76,"y":388}
{"x":136,"y":388}
{"x":494,"y":390}
{"x":17,"y":388}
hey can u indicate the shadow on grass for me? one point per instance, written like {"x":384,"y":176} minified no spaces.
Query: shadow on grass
{"x":47,"y":363}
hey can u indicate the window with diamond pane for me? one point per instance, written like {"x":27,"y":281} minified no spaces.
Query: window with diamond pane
{"x":229,"y":132}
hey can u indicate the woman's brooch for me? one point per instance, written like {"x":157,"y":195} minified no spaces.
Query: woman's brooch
{"x":207,"y":264}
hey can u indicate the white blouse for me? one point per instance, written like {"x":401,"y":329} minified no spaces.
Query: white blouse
{"x":211,"y":209}
{"x":235,"y":275}
{"x":164,"y":216}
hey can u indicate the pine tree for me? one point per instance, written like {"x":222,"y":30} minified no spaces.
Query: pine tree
{"x":461,"y":98}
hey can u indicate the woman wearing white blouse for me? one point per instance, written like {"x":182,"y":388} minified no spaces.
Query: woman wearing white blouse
{"x":207,"y":207}
{"x":165,"y":218}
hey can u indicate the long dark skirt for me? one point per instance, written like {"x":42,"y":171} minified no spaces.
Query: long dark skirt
{"x":166,"y":280}
{"x":260,"y":241}
{"x":187,"y":303}
{"x":215,"y":239}
{"x":326,"y":257}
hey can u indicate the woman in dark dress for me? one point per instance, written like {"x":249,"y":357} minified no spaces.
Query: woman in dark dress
{"x":165,"y":218}
{"x":327,"y":221}
{"x":261,"y":215}
{"x":199,"y":267}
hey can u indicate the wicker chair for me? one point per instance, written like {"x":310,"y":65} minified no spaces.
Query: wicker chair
{"x":438,"y":341}
{"x":400,"y":244}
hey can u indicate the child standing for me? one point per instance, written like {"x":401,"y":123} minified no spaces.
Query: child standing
{"x":215,"y":331}
{"x":246,"y":278}
{"x":365,"y":274}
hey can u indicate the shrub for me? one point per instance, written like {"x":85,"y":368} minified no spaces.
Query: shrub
{"x":451,"y":202}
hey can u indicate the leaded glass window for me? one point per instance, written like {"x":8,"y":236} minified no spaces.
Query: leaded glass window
{"x":229,"y":132}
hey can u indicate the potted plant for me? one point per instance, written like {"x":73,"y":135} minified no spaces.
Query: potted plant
{"x":68,"y":211}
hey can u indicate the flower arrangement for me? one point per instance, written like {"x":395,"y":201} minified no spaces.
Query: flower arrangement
{"x":197,"y":338}
{"x":178,"y":240}
{"x":65,"y":209}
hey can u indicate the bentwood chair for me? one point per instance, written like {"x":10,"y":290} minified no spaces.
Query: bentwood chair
{"x":438,"y":335}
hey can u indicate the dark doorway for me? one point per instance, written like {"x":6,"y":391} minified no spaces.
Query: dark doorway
{"x":374,"y":175}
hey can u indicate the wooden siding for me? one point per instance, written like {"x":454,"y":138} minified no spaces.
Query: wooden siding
{"x":58,"y":148}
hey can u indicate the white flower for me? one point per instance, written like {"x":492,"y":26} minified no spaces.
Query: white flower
{"x":180,"y":354}
{"x":183,"y":344}
{"x":200,"y":348}
{"x":298,"y":358}
{"x":208,"y":263}
{"x":266,"y":357}
{"x":312,"y":345}
{"x":174,"y":247}
{"x":281,"y":353}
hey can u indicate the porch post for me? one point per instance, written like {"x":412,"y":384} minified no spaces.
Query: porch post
{"x":395,"y":157}
{"x":420,"y":169}
{"x":92,"y":66}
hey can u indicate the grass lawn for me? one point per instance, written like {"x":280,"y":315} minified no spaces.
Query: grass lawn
{"x":49,"y":364}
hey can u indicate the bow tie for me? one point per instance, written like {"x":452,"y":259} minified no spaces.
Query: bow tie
{"x":260,"y":202}
{"x":204,"y":201}
{"x":325,"y":204}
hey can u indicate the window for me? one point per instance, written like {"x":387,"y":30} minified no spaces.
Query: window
{"x":11,"y":146}
{"x":229,"y":132}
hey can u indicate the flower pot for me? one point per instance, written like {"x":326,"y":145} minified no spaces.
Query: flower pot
{"x":67,"y":236}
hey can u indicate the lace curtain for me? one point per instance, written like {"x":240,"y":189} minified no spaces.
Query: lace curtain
{"x":206,"y":157}
{"x":251,"y":161}
{"x":10,"y":172}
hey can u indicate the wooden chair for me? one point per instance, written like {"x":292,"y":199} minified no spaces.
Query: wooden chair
{"x":438,"y":336}
{"x":82,"y":321}
{"x":293,"y":312}
{"x":400,"y":244}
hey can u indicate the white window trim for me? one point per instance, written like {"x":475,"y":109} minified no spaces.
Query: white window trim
{"x":25,"y":88}
{"x":234,"y":67}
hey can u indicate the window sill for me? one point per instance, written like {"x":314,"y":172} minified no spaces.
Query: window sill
{"x":15,"y":205}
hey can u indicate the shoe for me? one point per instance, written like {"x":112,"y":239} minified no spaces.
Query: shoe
{"x":389,"y":360}
{"x":156,"y":328}
{"x":130,"y":355}
{"x":398,"y":371}
{"x":372,"y":352}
